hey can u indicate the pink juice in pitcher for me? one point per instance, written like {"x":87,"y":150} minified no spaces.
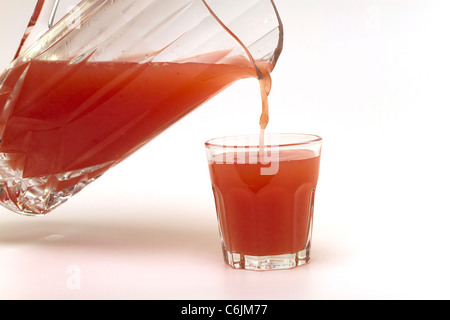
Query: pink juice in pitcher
{"x":68,"y":124}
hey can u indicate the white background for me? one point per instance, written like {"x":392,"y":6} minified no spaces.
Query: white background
{"x":371,"y":77}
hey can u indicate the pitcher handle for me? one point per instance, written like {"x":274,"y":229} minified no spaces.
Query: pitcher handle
{"x":41,"y":20}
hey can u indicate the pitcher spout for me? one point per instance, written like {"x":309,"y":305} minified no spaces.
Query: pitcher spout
{"x":265,"y":44}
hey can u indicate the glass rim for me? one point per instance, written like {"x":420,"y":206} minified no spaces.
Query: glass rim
{"x":305,"y":140}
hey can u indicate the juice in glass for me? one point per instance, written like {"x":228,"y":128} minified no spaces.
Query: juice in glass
{"x":264,"y":197}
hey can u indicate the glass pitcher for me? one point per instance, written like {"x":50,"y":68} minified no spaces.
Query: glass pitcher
{"x":109,"y":77}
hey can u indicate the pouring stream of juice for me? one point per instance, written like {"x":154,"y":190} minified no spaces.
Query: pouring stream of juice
{"x":265,"y":83}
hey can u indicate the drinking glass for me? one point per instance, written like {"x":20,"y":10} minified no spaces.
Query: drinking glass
{"x":264,"y":196}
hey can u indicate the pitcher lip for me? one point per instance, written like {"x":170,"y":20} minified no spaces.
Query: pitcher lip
{"x":309,"y":139}
{"x":277,"y":51}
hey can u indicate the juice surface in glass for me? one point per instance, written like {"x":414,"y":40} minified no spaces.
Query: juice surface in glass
{"x":265,"y":215}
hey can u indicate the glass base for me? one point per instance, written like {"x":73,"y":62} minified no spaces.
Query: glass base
{"x":266,"y":263}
